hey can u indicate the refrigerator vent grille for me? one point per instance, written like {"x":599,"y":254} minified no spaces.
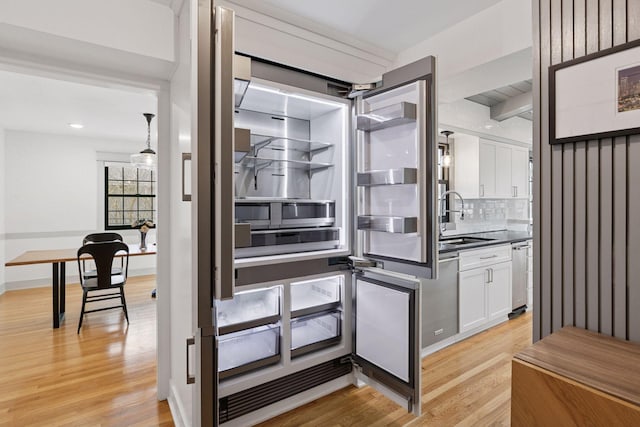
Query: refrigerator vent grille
{"x":246,"y":401}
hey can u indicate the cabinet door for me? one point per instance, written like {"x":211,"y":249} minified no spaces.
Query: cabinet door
{"x":520,"y":172}
{"x":473,"y":311}
{"x":499,"y":291}
{"x":504,"y":186}
{"x":466,"y":166}
{"x":487,"y":169}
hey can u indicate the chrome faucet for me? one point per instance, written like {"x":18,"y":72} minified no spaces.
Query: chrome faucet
{"x":443,"y":226}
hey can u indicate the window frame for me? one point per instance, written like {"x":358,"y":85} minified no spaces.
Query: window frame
{"x":153,"y":180}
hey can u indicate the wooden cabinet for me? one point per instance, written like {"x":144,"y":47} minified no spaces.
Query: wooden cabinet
{"x":576,"y":377}
{"x":484,"y":286}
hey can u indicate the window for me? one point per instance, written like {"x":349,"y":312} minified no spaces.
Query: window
{"x":129,"y":196}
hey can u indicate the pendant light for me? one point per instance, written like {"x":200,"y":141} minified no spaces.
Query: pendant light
{"x":147,"y":157}
{"x":446,"y":160}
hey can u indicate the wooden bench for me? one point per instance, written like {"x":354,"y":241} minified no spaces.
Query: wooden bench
{"x":575,"y":377}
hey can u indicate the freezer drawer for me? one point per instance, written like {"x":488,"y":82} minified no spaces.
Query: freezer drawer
{"x":312,"y":333}
{"x":249,"y":309}
{"x":313,"y":296}
{"x":247,"y":350}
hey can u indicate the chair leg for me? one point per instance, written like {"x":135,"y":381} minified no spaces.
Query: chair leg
{"x":124,"y":303}
{"x":84,"y":301}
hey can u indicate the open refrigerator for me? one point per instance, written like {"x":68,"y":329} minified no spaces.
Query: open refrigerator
{"x":315,"y":225}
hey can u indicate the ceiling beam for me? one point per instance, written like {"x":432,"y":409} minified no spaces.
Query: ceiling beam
{"x":512,"y":107}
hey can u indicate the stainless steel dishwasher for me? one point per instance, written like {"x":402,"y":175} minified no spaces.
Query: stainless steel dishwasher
{"x":519,"y":255}
{"x":440,"y":302}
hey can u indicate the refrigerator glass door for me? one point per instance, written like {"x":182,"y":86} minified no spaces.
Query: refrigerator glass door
{"x":387,"y":335}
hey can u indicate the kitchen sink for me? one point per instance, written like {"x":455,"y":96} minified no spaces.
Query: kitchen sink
{"x":464,"y":240}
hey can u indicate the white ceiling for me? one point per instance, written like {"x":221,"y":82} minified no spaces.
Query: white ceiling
{"x":393,"y":26}
{"x":39,"y":104}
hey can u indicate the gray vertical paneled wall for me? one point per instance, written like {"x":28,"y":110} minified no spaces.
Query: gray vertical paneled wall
{"x":586,"y":194}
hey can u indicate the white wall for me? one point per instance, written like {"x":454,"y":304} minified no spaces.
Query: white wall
{"x":495,"y":32}
{"x":2,"y":214}
{"x":181,"y":293}
{"x":54,"y":197}
{"x":138,"y":26}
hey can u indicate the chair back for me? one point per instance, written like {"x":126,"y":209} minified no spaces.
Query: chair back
{"x":103,"y":254}
{"x":101,"y":237}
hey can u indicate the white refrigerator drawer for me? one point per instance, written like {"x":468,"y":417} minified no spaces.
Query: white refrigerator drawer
{"x":248,"y":309}
{"x":314,"y":332}
{"x":312,"y":296}
{"x":247,"y":350}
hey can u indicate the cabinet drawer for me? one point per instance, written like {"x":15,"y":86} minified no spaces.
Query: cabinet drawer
{"x":486,"y":256}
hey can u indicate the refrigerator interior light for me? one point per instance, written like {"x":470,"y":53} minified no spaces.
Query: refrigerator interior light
{"x":293,"y":95}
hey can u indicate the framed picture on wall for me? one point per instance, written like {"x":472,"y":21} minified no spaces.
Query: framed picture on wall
{"x":596,"y":96}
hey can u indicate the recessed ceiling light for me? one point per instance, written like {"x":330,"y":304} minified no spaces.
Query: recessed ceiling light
{"x":76,"y":125}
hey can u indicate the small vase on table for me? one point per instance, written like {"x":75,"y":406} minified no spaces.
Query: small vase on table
{"x":143,"y":240}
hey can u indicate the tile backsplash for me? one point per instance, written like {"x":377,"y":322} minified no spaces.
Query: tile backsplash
{"x":490,"y":214}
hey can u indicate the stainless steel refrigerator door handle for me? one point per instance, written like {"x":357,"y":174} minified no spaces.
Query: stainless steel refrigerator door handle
{"x":190,"y":378}
{"x":491,"y":270}
{"x":488,"y":276}
{"x":481,"y":190}
{"x":224,"y":148}
{"x":186,"y":157}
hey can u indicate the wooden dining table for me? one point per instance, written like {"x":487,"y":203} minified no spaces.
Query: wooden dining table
{"x":58,"y":257}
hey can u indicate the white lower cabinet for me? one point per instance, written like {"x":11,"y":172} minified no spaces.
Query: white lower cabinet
{"x":473,"y":310}
{"x":499,"y":291}
{"x":484,"y":291}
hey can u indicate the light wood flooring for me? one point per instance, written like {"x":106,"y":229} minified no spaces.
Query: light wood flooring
{"x":107,"y":376}
{"x":466,"y":384}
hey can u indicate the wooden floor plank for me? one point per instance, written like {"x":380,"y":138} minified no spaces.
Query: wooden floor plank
{"x":105,"y":376}
{"x":467,"y":384}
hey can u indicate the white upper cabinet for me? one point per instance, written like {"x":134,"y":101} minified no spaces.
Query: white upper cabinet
{"x":520,"y":172}
{"x":466,"y":167}
{"x":488,"y":169}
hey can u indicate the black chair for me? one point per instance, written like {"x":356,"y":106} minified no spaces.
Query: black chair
{"x":103,"y":254}
{"x":97,"y":238}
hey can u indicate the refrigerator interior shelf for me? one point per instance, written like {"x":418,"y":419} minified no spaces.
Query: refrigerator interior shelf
{"x":388,"y":177}
{"x":247,"y":350}
{"x":312,"y":333}
{"x":258,"y":142}
{"x":260,"y":163}
{"x":388,"y":224}
{"x":386,"y":117}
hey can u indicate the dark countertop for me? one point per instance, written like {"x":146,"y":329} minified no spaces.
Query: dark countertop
{"x":498,"y":238}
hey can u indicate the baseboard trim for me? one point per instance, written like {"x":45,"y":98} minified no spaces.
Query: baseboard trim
{"x":176,"y":407}
{"x":46,"y":282}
